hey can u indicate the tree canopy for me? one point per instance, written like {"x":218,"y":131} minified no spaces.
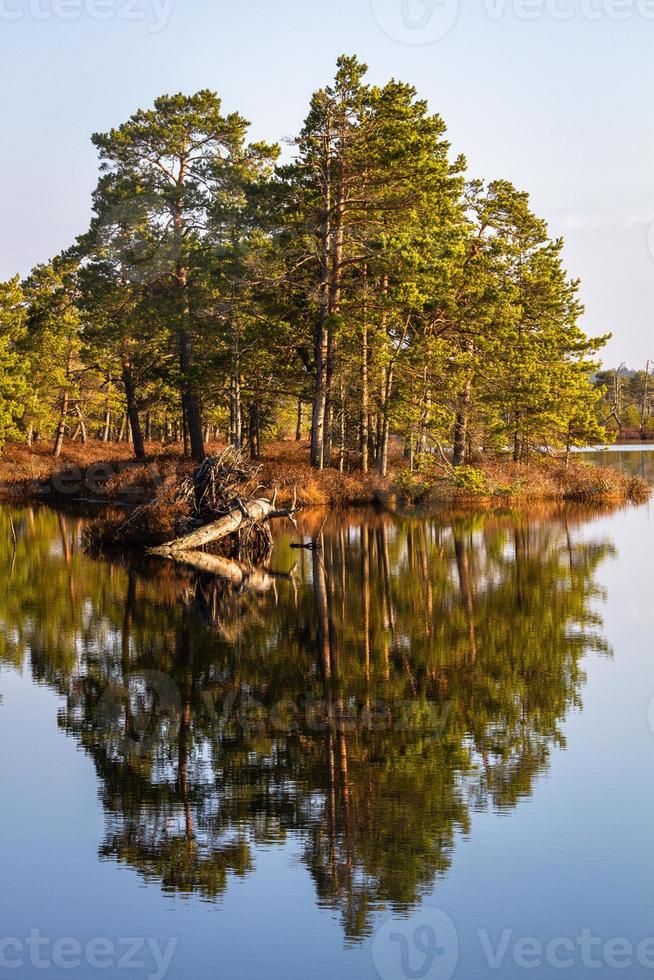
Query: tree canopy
{"x":365,"y":288}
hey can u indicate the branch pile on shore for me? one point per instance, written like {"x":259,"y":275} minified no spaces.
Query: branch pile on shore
{"x":218,"y":506}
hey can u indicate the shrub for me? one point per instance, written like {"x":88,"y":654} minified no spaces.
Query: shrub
{"x":472,"y":481}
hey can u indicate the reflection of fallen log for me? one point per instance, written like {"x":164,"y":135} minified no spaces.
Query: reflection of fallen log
{"x":240,"y":516}
{"x":238,"y":575}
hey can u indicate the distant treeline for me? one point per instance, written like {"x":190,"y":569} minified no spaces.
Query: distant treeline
{"x":628,"y":401}
{"x":361,"y":289}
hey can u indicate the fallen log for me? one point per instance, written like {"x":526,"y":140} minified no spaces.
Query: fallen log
{"x":242,"y":514}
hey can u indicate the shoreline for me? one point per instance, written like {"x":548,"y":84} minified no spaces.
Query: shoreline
{"x":108,"y":475}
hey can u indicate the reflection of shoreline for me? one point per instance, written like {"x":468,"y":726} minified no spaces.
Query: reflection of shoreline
{"x":480,"y":622}
{"x":636,"y":460}
{"x":496,"y":516}
{"x":635,"y":445}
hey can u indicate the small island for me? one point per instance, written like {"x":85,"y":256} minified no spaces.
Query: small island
{"x":363,"y":321}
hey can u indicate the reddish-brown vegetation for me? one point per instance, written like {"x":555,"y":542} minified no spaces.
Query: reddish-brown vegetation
{"x":109,"y":472}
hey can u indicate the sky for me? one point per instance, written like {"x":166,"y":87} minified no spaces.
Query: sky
{"x":554,"y":95}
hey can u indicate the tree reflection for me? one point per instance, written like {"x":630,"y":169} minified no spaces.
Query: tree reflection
{"x":407,"y":673}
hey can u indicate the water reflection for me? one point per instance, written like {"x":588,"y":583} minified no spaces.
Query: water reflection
{"x":364,"y":700}
{"x":636,"y":460}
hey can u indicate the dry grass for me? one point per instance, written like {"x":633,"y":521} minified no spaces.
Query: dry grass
{"x":547,"y":480}
{"x":287,"y":466}
{"x":26,"y":472}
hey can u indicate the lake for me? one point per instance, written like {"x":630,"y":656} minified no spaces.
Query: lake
{"x":424,"y":752}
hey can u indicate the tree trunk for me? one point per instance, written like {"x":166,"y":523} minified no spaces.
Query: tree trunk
{"x":235,"y":412}
{"x":382,"y":452}
{"x":384,"y":432}
{"x":255,"y":449}
{"x":61,"y":428}
{"x":328,"y":433}
{"x":82,"y":425}
{"x":318,"y":414}
{"x":300,"y":420}
{"x":461,"y":429}
{"x":185,"y":439}
{"x":365,"y":397}
{"x":462,"y":423}
{"x":383,"y":419}
{"x":63,"y":415}
{"x":518,"y":450}
{"x":338,"y":238}
{"x":132,"y":410}
{"x":321,"y":340}
{"x":190,"y":398}
{"x":106,"y":428}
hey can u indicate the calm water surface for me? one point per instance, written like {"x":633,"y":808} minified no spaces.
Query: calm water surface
{"x":394,"y":759}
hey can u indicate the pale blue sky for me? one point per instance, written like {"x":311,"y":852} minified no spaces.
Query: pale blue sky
{"x":554,"y":95}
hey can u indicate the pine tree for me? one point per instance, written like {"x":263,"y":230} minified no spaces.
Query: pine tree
{"x":14,"y":366}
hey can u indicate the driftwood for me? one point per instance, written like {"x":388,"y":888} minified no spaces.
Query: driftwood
{"x":221,"y":502}
{"x":241,"y":515}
